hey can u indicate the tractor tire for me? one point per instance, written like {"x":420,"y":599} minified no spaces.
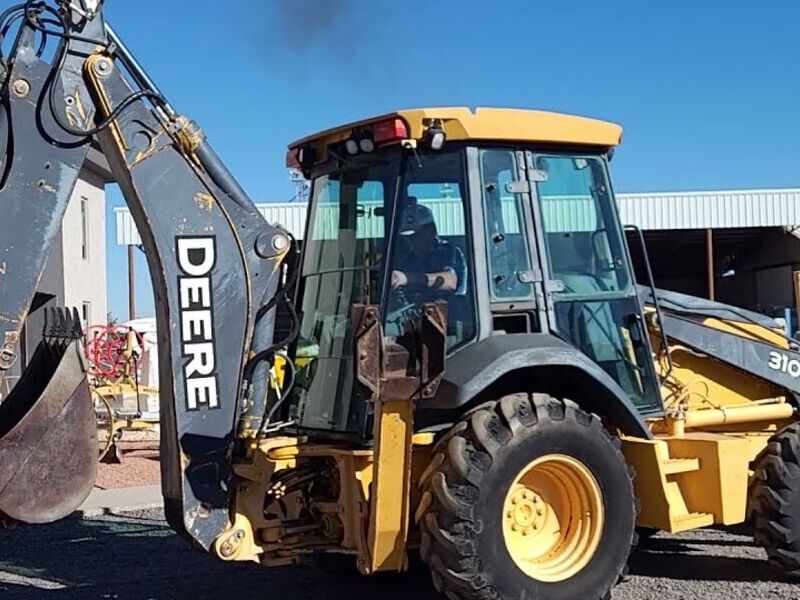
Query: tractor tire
{"x":506,"y":498}
{"x":775,"y":500}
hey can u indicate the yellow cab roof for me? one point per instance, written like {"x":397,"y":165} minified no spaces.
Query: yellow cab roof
{"x":501,"y":124}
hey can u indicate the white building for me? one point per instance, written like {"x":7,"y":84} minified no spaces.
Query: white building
{"x":75,"y":273}
{"x":76,"y":269}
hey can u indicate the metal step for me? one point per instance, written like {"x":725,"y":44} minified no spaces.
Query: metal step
{"x":691,"y":521}
{"x":673,"y":466}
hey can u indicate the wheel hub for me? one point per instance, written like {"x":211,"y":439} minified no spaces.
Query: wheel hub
{"x":528,"y":515}
{"x":553,"y":518}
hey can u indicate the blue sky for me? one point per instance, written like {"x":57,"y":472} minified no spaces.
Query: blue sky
{"x":707,"y":91}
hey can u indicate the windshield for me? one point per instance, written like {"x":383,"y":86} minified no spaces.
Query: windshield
{"x":346,"y":262}
{"x":343,"y":247}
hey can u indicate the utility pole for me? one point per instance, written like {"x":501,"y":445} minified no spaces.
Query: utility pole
{"x":131,"y":284}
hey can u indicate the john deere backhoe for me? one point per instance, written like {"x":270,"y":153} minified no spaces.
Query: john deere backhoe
{"x":464,"y":367}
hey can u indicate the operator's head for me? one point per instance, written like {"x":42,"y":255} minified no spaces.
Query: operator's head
{"x":417,"y":224}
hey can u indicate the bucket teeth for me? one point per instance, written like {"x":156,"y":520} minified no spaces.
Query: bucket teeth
{"x":62,"y":324}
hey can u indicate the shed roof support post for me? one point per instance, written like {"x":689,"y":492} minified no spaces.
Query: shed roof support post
{"x":710,"y":263}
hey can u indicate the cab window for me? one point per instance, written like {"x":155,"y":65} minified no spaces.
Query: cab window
{"x":585,"y":249}
{"x":506,"y":236}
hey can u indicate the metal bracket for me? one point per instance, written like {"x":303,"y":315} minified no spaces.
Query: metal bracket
{"x":88,"y":10}
{"x":433,"y":341}
{"x":518,"y":187}
{"x":524,"y":186}
{"x":529,"y":276}
{"x":7,"y":358}
{"x":554,"y":285}
{"x":395,"y":373}
{"x":369,"y":346}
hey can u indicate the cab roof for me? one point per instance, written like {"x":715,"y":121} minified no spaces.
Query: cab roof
{"x":500,"y":124}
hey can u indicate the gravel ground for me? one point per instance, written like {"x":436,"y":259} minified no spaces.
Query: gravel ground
{"x":136,"y":556}
{"x":140,"y":466}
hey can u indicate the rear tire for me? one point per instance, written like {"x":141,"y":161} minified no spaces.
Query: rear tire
{"x":541,"y":452}
{"x":775,"y":500}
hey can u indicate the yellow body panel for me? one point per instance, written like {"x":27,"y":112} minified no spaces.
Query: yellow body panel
{"x":694,"y":480}
{"x":751,"y":331}
{"x":718,"y":418}
{"x":389,"y":514}
{"x":662,"y":505}
{"x":501,"y":124}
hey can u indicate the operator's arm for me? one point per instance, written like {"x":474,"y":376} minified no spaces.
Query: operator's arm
{"x":440,"y":280}
{"x":451,"y":277}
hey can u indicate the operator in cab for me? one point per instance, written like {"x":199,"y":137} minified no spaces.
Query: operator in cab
{"x":426,"y":267}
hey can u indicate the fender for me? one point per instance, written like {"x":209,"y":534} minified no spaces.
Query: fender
{"x":474,"y":369}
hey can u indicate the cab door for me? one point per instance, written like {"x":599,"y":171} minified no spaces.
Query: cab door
{"x":591,"y":295}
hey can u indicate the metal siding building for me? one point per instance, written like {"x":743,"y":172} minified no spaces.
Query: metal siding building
{"x":737,"y":246}
{"x":711,"y":210}
{"x":650,"y":212}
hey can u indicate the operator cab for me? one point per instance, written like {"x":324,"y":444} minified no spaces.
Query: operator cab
{"x":507,"y":215}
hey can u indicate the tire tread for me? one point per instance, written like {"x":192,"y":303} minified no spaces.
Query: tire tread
{"x":448,"y":528}
{"x":775,"y":487}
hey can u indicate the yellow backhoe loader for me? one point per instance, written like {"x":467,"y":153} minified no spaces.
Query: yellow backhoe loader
{"x":459,"y":364}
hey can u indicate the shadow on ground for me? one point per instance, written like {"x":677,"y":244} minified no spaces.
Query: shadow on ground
{"x":139,"y":557}
{"x":142,"y":558}
{"x":697,"y":556}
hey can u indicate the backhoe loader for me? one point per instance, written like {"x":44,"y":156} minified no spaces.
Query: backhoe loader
{"x":464,"y":367}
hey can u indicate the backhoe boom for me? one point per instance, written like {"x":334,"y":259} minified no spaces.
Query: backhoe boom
{"x":214,"y":261}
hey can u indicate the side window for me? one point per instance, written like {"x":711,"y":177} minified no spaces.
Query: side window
{"x":506,"y":237}
{"x":584,"y":245}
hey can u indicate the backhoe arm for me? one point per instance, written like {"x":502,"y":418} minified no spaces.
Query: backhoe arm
{"x":214,"y":261}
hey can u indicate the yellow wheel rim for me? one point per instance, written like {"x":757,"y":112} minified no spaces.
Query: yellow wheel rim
{"x":553,"y":518}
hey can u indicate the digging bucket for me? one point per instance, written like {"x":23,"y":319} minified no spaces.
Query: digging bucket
{"x":48,"y":431}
